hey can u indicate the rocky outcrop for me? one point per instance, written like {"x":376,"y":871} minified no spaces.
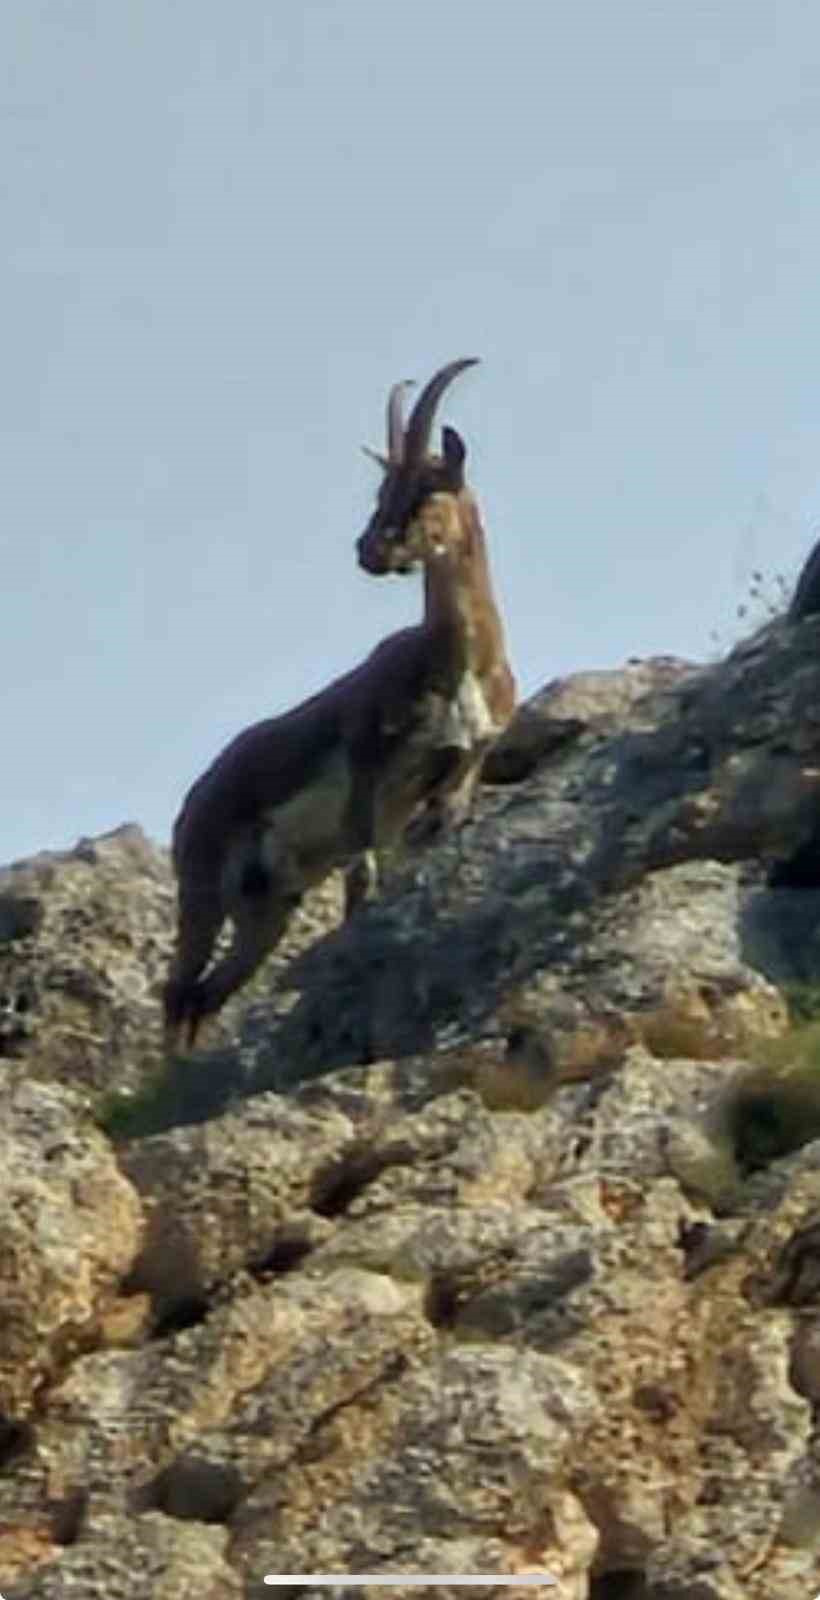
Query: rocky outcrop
{"x":70,"y":1229}
{"x":485,"y":1234}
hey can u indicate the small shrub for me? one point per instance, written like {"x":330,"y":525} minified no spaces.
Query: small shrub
{"x":803,"y":1000}
{"x":774,"y":1109}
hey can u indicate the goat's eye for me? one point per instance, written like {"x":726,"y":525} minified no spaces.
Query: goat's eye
{"x":416,"y":505}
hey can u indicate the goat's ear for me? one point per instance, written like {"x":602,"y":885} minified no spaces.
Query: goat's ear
{"x":454,"y":454}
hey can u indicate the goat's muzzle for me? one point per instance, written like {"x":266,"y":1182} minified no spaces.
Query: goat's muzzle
{"x":380,"y":552}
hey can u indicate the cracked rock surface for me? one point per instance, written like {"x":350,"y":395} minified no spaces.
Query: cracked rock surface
{"x":475,"y":1239}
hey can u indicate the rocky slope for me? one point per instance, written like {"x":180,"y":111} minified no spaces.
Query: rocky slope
{"x":484,"y":1234}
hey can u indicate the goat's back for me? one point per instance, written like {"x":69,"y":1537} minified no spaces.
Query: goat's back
{"x":266,"y":764}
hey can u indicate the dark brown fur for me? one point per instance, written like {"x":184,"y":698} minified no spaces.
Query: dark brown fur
{"x":805,"y":601}
{"x":323,"y":786}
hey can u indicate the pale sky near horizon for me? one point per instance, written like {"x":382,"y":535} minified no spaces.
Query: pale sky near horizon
{"x":227,"y":229}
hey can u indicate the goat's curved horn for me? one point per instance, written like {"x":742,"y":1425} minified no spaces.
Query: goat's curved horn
{"x":417,"y":433}
{"x":395,"y":420}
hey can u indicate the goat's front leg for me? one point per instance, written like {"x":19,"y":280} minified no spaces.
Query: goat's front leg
{"x":455,"y":802}
{"x":365,"y":825}
{"x":361,"y":881}
{"x":447,"y":806}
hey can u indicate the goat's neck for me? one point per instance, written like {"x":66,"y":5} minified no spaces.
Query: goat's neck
{"x":459,"y":605}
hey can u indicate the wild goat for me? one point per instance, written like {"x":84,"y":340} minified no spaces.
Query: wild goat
{"x":342,"y":775}
{"x":805,"y":601}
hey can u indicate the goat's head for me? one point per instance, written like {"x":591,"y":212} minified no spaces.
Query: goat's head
{"x":411,"y":475}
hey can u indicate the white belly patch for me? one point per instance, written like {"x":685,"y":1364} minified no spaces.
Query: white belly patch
{"x":467,"y":721}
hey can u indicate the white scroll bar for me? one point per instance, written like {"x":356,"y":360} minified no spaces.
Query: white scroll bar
{"x":343,"y":1580}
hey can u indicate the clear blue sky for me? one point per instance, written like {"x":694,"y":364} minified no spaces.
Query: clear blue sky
{"x":228,"y":228}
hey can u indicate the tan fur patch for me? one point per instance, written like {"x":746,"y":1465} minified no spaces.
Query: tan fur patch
{"x":435,"y":530}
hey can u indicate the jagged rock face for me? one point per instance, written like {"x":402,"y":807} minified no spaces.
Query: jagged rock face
{"x":71,"y":1226}
{"x":85,"y":939}
{"x":487,"y":1284}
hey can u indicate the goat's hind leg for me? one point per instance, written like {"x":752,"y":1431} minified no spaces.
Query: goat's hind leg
{"x":200,"y":917}
{"x":259,"y":920}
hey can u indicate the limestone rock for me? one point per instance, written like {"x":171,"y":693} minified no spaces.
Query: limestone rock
{"x":70,"y":1227}
{"x":452,"y":1250}
{"x":241,"y":1193}
{"x":85,"y":939}
{"x":137,"y":1558}
{"x":588,"y":703}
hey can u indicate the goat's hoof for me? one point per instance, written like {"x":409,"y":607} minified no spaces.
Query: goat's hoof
{"x":425,"y":830}
{"x":184,"y":1011}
